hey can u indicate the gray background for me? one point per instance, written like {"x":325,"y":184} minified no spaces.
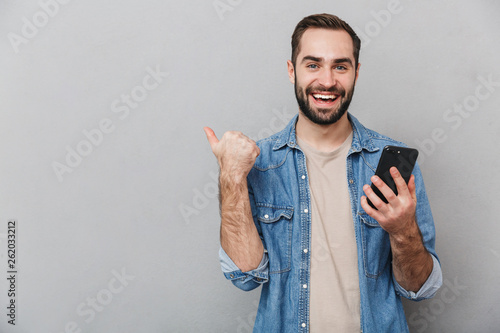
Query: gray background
{"x":143,"y":199}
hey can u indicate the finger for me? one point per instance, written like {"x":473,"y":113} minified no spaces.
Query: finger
{"x":412,"y":188}
{"x":211,"y":137}
{"x":383,"y":188}
{"x":399,"y":181}
{"x":369,"y":209}
{"x":374,"y":198}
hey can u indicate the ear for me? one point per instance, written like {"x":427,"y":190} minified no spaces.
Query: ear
{"x":357,"y":73}
{"x":291,"y":71}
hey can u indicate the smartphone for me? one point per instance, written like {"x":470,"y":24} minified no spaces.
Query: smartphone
{"x":400,"y":157}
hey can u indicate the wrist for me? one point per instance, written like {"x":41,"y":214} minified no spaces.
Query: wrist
{"x":232,"y":177}
{"x":406,"y":236}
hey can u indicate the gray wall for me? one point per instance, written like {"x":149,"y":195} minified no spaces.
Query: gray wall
{"x":107,"y":171}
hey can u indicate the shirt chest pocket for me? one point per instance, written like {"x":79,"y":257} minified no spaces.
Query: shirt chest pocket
{"x":376,"y":246}
{"x":276,"y":228}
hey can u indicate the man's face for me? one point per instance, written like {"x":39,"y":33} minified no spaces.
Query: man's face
{"x":324,"y":74}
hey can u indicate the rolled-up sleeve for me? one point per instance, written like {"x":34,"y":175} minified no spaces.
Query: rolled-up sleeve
{"x":244,"y":280}
{"x":428,"y":289}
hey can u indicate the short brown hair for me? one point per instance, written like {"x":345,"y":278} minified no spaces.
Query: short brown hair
{"x":325,"y":21}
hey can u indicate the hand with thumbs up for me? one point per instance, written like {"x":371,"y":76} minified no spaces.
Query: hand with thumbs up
{"x":235,"y":152}
{"x":239,"y":237}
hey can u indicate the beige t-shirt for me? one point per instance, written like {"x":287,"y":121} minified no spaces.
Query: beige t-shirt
{"x":334,"y":287}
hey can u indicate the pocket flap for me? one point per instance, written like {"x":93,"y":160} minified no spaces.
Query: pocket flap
{"x":269,"y":213}
{"x":368,"y":220}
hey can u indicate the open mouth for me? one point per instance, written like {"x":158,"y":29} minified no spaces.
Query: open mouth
{"x":325,"y":98}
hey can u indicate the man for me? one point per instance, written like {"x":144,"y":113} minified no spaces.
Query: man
{"x":293,"y":215}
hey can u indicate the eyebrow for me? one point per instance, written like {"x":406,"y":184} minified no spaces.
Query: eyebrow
{"x":335,"y":61}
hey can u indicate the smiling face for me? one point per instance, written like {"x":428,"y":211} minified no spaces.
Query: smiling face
{"x":324,"y":74}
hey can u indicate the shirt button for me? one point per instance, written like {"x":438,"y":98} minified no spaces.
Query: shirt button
{"x":304,"y":286}
{"x":305,"y":210}
{"x":258,"y":279}
{"x":303,"y":325}
{"x":303,"y":177}
{"x":231,"y":276}
{"x":266,"y":216}
{"x":305,"y":250}
{"x":351,"y":181}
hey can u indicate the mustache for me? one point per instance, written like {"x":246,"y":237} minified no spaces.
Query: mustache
{"x":335,"y":90}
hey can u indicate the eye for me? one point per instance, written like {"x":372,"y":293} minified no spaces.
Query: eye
{"x":340,"y":68}
{"x":312,"y":66}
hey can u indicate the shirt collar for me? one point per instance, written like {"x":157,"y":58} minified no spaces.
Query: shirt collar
{"x":361,"y":137}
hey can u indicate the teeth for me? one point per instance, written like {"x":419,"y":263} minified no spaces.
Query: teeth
{"x":324,"y":96}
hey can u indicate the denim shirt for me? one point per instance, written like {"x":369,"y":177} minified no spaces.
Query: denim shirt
{"x":280,"y":199}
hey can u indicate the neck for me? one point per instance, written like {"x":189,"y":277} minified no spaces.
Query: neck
{"x":323,"y":137}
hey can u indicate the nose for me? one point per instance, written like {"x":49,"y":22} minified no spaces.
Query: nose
{"x":327,"y":78}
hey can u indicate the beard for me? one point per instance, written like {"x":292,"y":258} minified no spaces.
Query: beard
{"x":323,"y":116}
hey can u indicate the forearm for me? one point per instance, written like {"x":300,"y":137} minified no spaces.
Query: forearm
{"x":411,"y":263}
{"x":238,"y":235}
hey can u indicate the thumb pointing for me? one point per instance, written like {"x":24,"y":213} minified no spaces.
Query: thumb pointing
{"x":211,"y":137}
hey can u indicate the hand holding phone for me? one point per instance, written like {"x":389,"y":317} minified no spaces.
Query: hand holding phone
{"x":403,"y":159}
